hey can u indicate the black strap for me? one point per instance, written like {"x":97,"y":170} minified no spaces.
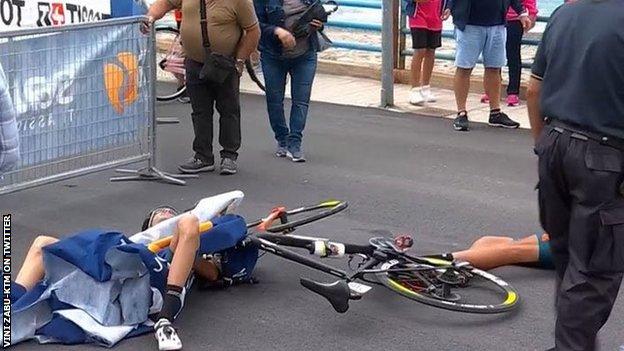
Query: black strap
{"x":204,"y":24}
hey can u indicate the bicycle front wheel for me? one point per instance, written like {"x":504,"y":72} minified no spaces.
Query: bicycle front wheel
{"x":170,"y":74}
{"x":472,"y":290}
{"x":291,"y":219}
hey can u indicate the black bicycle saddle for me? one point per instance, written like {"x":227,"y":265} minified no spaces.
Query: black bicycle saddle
{"x":337,"y":293}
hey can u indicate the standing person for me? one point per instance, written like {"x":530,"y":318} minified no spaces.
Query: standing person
{"x":581,"y":157}
{"x":233,"y":32}
{"x":281,"y":54}
{"x":9,"y":138}
{"x":480,"y":30}
{"x":515,"y":32}
{"x":425,"y":21}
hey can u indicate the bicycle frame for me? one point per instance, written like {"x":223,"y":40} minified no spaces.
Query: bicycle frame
{"x":372,"y":260}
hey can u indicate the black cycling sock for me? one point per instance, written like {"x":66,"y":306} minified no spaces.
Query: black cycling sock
{"x":494,"y":112}
{"x":173,"y":302}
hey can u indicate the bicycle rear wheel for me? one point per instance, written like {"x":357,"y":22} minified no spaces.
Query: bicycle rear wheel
{"x":170,"y":75}
{"x":476,"y":291}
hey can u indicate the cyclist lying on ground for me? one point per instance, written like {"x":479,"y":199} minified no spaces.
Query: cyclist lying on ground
{"x":495,"y":251}
{"x":181,"y":257}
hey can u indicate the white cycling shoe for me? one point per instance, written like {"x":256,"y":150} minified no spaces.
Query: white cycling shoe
{"x":167,"y":336}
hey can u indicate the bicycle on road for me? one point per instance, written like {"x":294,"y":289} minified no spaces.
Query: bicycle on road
{"x":170,"y":64}
{"x":384,"y":261}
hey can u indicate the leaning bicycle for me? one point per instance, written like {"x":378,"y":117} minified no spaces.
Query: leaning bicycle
{"x":170,"y":65}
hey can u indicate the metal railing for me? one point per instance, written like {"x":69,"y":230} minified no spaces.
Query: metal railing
{"x":400,"y":21}
{"x":84,"y":100}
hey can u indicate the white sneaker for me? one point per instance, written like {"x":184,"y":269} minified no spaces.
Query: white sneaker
{"x":166,"y":335}
{"x":428,"y":95}
{"x":416,"y":96}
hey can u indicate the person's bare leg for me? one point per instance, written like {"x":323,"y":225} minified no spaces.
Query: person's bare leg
{"x":417,"y":67}
{"x":489,"y":241}
{"x":500,"y":255}
{"x":32,"y":270}
{"x":427,"y":66}
{"x":531,"y":239}
{"x":186,"y":243}
{"x":492,"y":85}
{"x":461,"y":87}
{"x":184,"y":246}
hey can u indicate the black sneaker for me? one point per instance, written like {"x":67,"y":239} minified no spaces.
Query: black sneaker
{"x":228,"y":166}
{"x":461,"y":122}
{"x":502,"y":120}
{"x":195,"y":165}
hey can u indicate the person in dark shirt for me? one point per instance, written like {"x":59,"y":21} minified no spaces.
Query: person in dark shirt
{"x":480,"y":30}
{"x":576,"y":109}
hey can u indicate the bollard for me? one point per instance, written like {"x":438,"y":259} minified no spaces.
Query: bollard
{"x":387,"y":57}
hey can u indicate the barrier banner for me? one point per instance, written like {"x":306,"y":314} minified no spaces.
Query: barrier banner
{"x":81,"y":95}
{"x":16,"y":14}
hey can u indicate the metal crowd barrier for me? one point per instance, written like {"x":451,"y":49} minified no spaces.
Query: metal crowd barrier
{"x":84,"y":96}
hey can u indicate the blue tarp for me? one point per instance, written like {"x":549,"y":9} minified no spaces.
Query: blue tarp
{"x":100,"y":287}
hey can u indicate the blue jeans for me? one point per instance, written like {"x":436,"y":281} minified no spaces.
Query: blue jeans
{"x":302,"y":70}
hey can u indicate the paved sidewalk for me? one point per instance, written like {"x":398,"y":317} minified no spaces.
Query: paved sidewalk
{"x":364,"y":92}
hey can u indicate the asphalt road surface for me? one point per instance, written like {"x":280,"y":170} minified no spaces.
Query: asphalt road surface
{"x":399,"y":172}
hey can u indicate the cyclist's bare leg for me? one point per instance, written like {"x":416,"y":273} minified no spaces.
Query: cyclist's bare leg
{"x":32,"y":270}
{"x":184,"y":245}
{"x":498,"y":254}
{"x":489,"y":241}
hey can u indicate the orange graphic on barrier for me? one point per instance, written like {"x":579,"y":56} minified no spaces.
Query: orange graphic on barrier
{"x":122,"y":81}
